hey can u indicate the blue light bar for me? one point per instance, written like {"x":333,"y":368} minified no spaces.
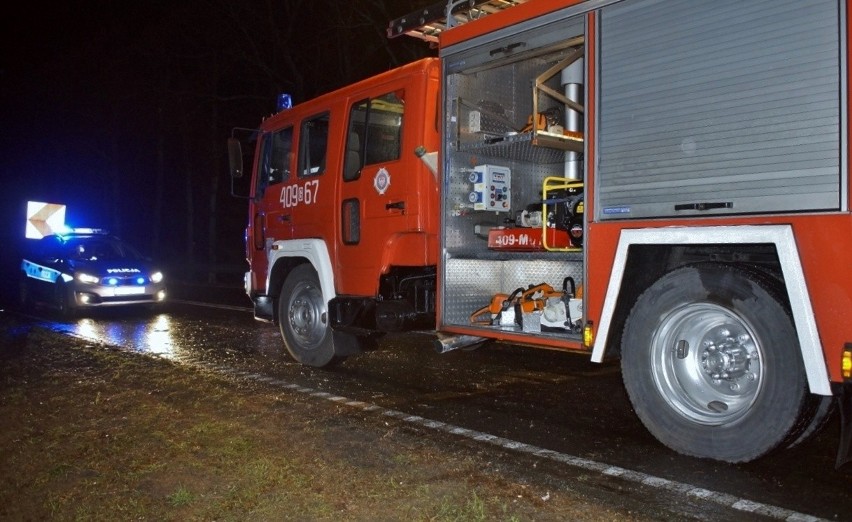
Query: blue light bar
{"x":87,"y":230}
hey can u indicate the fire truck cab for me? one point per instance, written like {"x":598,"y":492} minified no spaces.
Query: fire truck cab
{"x":342,"y":236}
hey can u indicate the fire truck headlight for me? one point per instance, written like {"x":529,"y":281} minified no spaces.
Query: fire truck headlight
{"x":156,"y":277}
{"x":86,"y":278}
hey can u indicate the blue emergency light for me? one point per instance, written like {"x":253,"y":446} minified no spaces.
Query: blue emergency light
{"x":285,"y":101}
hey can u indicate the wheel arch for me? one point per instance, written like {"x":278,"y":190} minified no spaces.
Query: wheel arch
{"x":286,"y":255}
{"x":637,"y":264}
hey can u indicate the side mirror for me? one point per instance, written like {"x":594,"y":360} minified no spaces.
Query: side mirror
{"x":239,"y":189}
{"x":235,"y":158}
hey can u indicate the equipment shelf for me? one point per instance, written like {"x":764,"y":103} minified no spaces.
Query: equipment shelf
{"x":539,"y":147}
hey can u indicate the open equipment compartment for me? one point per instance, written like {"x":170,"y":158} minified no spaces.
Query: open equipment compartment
{"x":514,"y":121}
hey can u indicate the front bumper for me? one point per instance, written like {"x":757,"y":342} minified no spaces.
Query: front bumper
{"x":102,"y":295}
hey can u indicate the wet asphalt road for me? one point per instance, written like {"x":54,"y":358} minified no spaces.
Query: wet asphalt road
{"x":552,"y":400}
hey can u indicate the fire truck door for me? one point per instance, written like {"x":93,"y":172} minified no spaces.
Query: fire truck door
{"x":374,"y":192}
{"x":270,"y":220}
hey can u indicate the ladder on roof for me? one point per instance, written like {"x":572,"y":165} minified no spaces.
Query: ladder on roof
{"x":427,"y":23}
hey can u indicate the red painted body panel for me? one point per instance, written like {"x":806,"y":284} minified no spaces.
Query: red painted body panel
{"x":310,"y":206}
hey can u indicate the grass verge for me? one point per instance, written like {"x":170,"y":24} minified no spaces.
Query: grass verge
{"x":92,"y":433}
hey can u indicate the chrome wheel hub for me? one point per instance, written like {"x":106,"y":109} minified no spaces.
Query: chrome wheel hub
{"x":707,"y":363}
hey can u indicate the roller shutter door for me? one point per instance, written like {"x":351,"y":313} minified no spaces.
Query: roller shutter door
{"x":722,"y":107}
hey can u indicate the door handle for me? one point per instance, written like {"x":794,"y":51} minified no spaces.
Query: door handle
{"x":398,"y":205}
{"x":283,"y":218}
{"x":704,"y":206}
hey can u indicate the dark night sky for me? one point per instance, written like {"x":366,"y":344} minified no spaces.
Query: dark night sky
{"x":120,"y":110}
{"x":49,"y":89}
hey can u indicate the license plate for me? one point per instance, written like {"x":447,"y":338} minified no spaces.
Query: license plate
{"x":129,"y":290}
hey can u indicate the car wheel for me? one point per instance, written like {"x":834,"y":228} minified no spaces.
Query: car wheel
{"x":711,"y":362}
{"x":304,"y":323}
{"x":24,"y":297}
{"x":64,"y":299}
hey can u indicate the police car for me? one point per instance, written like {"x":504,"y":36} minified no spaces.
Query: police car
{"x":88,"y":268}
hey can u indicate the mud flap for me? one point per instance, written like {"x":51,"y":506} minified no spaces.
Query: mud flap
{"x":346,"y":344}
{"x":844,"y":401}
{"x":264,"y":308}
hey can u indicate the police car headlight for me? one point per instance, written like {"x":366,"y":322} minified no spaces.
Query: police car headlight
{"x":86,"y":278}
{"x":156,"y":277}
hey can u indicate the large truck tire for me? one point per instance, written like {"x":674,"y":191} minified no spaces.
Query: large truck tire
{"x":304,"y":324}
{"x":711,"y":362}
{"x":821,"y":409}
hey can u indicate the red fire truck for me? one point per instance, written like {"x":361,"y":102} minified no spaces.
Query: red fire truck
{"x":662,"y":182}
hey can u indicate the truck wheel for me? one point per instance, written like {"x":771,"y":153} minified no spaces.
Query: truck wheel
{"x":303,"y":319}
{"x":711,"y":362}
{"x":822,"y":408}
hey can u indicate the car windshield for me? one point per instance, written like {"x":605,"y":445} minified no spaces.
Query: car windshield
{"x":99,"y":249}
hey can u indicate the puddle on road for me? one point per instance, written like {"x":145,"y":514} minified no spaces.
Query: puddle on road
{"x":170,"y":336}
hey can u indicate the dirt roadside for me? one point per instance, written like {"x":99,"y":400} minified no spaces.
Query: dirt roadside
{"x":93,"y":433}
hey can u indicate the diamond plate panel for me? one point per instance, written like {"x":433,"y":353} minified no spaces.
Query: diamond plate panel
{"x":470,"y":283}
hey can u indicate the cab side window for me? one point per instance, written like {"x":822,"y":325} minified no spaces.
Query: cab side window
{"x":375,"y":132}
{"x":275,"y":154}
{"x":313,"y":145}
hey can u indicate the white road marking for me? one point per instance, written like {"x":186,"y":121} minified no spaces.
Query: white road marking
{"x":729,"y":501}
